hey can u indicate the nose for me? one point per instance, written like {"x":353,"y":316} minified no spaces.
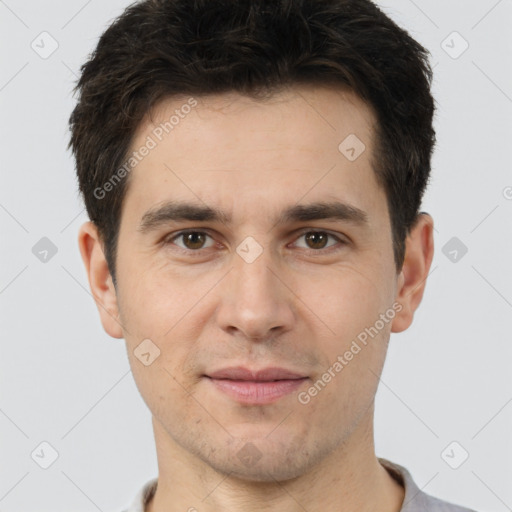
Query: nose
{"x":256,"y":301}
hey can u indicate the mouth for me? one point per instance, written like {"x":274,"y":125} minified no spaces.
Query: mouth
{"x":256,"y":387}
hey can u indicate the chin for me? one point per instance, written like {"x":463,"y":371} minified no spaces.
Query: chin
{"x":257,"y":460}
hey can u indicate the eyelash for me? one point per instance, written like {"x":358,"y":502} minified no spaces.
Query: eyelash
{"x":170,"y":239}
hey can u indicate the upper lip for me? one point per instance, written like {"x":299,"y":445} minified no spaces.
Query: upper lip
{"x":265,"y":374}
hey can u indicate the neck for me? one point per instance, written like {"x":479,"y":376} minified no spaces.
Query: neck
{"x":349,"y":479}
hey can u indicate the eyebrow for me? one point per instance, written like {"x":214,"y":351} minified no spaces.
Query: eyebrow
{"x":176,"y":211}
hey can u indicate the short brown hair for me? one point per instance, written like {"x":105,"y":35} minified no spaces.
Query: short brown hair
{"x":159,"y":49}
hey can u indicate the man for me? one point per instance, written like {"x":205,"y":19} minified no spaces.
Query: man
{"x":253,"y":172}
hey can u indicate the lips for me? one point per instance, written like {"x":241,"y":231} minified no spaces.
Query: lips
{"x":240,"y":373}
{"x":256,"y":387}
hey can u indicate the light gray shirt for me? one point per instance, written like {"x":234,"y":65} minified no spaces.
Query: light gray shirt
{"x":415,"y":500}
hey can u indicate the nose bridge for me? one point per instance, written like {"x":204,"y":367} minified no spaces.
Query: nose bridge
{"x":254,"y":299}
{"x":253,"y":274}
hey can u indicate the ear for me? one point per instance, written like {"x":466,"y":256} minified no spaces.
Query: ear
{"x":419,"y":251}
{"x":100,"y":280}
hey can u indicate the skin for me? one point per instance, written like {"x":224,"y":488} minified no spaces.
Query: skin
{"x":299,"y":305}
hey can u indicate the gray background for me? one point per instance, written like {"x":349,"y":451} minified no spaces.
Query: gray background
{"x":64,"y":381}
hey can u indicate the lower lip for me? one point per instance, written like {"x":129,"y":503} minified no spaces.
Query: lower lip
{"x":250,"y":392}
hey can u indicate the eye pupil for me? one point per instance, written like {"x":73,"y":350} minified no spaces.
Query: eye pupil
{"x":315,"y":237}
{"x":192,"y":237}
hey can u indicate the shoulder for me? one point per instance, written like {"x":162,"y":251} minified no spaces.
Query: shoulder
{"x":438,"y":505}
{"x":415,"y":500}
{"x":144,"y":494}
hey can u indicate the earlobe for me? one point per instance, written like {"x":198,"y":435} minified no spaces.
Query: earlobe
{"x":412,"y":280}
{"x":100,"y":280}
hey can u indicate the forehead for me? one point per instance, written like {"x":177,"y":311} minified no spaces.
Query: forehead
{"x":300,"y":112}
{"x":210,"y":146}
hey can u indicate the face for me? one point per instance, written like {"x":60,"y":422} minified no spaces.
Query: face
{"x":260,"y":278}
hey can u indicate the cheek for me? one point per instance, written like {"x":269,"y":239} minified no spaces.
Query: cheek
{"x":354,"y":347}
{"x":155,"y":299}
{"x":165,"y":308}
{"x":353,"y":350}
{"x":349,"y":300}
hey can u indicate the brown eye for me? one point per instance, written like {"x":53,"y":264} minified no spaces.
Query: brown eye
{"x":316,"y":240}
{"x":190,"y":240}
{"x":193,"y":240}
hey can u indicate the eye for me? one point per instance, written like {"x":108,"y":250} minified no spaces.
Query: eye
{"x":193,"y":240}
{"x":317,"y":240}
